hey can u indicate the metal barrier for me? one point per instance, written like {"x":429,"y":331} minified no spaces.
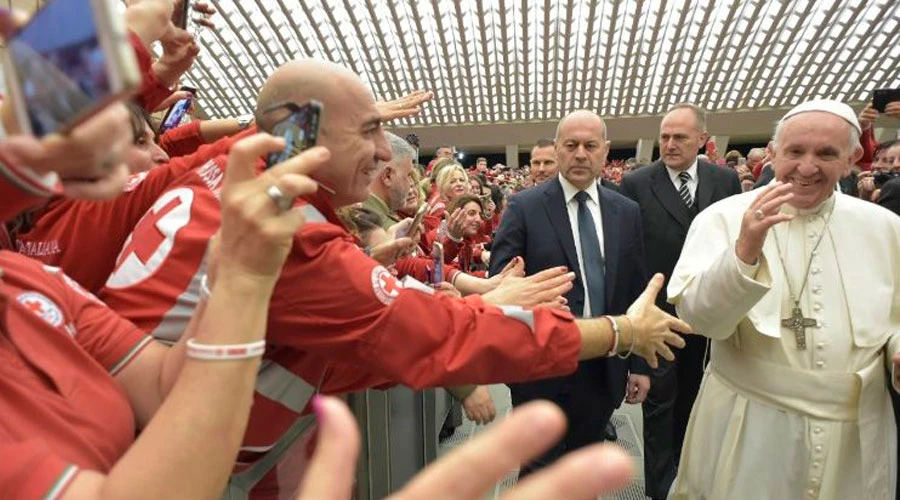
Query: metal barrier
{"x":400,"y":429}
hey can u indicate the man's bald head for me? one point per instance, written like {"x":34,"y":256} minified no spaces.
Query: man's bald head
{"x":349,"y":126}
{"x":581,"y":116}
{"x":581,"y":147}
{"x":304,"y":80}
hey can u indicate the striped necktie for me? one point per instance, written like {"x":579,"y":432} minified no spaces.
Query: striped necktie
{"x":683,"y":190}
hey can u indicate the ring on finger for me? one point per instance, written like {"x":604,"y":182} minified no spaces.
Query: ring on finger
{"x":759,"y":215}
{"x":281,"y":200}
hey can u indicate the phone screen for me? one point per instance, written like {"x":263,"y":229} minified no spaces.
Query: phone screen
{"x":176,"y":112}
{"x":437,"y":255}
{"x":300,"y":129}
{"x":60,"y":65}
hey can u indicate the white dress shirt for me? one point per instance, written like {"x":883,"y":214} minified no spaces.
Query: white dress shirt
{"x":692,"y":184}
{"x":593,"y":203}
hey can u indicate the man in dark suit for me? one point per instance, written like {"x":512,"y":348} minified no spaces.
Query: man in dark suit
{"x":670,"y":193}
{"x":571,"y":221}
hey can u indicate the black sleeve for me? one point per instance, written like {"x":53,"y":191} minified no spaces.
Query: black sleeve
{"x":509,"y":239}
{"x":626,"y":188}
{"x":734,"y":183}
{"x":765,"y":177}
{"x":637,"y":364}
{"x":890,"y":196}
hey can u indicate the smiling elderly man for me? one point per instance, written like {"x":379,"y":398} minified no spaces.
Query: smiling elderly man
{"x":796,"y":286}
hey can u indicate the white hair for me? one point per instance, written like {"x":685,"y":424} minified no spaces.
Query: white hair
{"x":400,"y":149}
{"x":852,"y":137}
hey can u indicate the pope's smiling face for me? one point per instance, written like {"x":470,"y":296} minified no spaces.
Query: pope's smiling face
{"x":812,"y":151}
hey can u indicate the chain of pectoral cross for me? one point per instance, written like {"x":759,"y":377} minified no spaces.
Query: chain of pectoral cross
{"x":797,"y":322}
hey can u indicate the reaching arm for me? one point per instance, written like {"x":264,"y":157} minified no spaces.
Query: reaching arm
{"x":188,"y":448}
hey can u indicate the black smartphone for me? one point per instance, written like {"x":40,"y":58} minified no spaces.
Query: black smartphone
{"x":299,"y":128}
{"x":68,"y":62}
{"x":882,"y":97}
{"x":175,"y":114}
{"x":183,"y":15}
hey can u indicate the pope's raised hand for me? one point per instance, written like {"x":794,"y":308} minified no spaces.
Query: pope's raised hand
{"x":762,"y":214}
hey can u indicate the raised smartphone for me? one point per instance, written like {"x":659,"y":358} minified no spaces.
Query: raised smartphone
{"x":414,"y":228}
{"x":176,"y":112}
{"x":299,"y":128}
{"x":68,"y":62}
{"x":437,"y":256}
{"x":882,"y":97}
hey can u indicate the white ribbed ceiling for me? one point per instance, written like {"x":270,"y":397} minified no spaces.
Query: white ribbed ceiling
{"x":503,"y":61}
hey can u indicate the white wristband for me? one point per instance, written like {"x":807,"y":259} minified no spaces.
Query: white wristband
{"x":205,"y":292}
{"x":614,"y":349}
{"x":225,"y":352}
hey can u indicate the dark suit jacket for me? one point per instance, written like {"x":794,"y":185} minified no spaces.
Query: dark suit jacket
{"x":765,"y":176}
{"x":890,"y":195}
{"x":666,"y":218}
{"x":536,"y":227}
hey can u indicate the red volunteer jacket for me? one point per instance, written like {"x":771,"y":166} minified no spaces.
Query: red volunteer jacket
{"x":84,"y":237}
{"x":182,"y":140}
{"x":338,"y":320}
{"x":61,"y":409}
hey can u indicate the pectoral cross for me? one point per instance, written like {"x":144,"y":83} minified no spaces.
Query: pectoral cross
{"x":799,"y":324}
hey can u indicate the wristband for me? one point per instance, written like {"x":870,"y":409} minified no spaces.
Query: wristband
{"x":614,"y":348}
{"x":205,"y":292}
{"x":225,"y":352}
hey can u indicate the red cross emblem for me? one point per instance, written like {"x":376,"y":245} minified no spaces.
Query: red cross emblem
{"x":34,"y":306}
{"x":42,"y":307}
{"x":384,"y":285}
{"x":147,"y":237}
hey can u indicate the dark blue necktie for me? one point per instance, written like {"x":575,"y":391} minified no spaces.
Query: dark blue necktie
{"x":594,"y":267}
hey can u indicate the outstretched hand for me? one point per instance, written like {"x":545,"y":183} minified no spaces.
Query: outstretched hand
{"x":652,"y":329}
{"x":546,"y":288}
{"x":471,"y":470}
{"x":390,"y":251}
{"x":404,"y":107}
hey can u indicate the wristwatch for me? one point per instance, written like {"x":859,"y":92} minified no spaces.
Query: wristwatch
{"x":244,"y":121}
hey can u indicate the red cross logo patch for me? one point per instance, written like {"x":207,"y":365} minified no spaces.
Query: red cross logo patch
{"x":385,"y":285}
{"x":43,"y":307}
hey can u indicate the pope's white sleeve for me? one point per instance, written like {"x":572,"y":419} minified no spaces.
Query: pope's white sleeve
{"x":710,"y":288}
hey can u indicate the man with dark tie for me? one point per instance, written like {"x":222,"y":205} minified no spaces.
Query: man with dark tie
{"x":571,"y":221}
{"x":671,"y":192}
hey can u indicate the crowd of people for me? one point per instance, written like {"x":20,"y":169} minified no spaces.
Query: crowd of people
{"x":182,"y":318}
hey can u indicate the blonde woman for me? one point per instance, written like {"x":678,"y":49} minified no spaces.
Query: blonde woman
{"x":452,"y":183}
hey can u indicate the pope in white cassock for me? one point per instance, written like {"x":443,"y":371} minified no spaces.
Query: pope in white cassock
{"x":798,"y":286}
